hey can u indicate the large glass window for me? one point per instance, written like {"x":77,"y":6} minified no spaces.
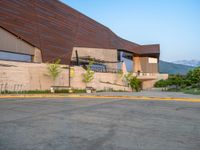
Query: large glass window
{"x":15,"y":56}
{"x":127,"y":59}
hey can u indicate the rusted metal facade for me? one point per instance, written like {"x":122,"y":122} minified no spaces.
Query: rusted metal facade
{"x":56,"y":28}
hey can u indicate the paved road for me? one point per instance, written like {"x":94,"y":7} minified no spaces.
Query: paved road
{"x":101,"y":124}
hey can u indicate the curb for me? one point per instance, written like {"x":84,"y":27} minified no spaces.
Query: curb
{"x":101,"y":97}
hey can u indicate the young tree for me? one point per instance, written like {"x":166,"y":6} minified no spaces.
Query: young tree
{"x":54,"y":69}
{"x":89,"y":75}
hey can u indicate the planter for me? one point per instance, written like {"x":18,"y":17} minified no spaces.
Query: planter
{"x":52,"y":90}
{"x":70,"y":90}
{"x":89,"y":89}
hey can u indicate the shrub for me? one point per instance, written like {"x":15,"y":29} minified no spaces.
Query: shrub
{"x":54,"y":69}
{"x":161,"y":83}
{"x":133,"y":82}
{"x":120,"y":73}
{"x":176,"y":80}
{"x":188,"y":84}
{"x":193,"y":76}
{"x":89,"y":75}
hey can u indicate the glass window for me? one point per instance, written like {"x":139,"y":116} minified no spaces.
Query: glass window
{"x":15,"y":56}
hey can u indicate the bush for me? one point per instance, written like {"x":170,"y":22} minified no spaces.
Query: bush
{"x":44,"y":92}
{"x":79,"y":91}
{"x":193,"y":76}
{"x":89,"y":75}
{"x":26,"y":92}
{"x":176,"y":80}
{"x":161,"y":83}
{"x":54,"y":69}
{"x":133,"y":82}
{"x":195,"y":91}
{"x":62,"y":91}
{"x":187,"y":84}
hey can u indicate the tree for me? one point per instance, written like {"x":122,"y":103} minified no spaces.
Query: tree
{"x":176,"y":80}
{"x":54,"y":69}
{"x":194,"y":76}
{"x":173,"y":80}
{"x":89,"y":75}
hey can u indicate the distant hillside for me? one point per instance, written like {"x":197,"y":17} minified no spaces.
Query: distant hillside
{"x":194,"y":63}
{"x":171,"y":68}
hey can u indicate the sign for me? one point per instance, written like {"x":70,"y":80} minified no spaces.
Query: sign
{"x":72,"y":72}
{"x":152,"y":60}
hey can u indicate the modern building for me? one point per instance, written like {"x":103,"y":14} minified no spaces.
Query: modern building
{"x":41,"y":31}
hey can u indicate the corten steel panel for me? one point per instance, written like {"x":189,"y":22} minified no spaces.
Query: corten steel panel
{"x":56,"y":28}
{"x":147,"y":67}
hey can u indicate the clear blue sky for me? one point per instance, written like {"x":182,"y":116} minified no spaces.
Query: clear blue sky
{"x":174,"y":24}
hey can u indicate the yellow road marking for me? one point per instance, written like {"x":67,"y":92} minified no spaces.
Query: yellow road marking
{"x":102,"y":97}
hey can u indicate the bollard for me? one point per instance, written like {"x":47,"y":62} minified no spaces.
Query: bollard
{"x":52,"y":90}
{"x":21,"y":88}
{"x":14,"y":87}
{"x":5,"y":87}
{"x":18,"y":86}
{"x":1,"y":90}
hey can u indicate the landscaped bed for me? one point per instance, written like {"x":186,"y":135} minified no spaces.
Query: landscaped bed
{"x":45,"y":91}
{"x":189,"y":83}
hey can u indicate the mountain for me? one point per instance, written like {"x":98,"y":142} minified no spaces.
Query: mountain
{"x":194,"y":63}
{"x":172,"y":68}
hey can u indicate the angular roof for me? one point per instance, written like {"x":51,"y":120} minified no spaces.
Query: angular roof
{"x":56,"y":28}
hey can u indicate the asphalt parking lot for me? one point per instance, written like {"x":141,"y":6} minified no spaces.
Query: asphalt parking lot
{"x":98,"y":124}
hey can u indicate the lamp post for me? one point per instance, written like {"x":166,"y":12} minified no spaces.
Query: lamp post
{"x":69,"y":76}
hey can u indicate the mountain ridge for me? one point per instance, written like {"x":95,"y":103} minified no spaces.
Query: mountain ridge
{"x":173,"y":68}
{"x":193,"y":62}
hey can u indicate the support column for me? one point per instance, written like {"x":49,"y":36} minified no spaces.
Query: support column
{"x":137,"y":64}
{"x":37,"y":55}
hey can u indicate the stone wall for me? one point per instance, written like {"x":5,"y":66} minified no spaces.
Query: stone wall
{"x":31,"y":76}
{"x":35,"y":76}
{"x":101,"y":81}
{"x":148,"y":84}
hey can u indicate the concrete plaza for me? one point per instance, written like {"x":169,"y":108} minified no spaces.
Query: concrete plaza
{"x":98,"y":124}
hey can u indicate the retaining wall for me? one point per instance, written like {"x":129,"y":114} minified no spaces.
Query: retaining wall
{"x":35,"y":76}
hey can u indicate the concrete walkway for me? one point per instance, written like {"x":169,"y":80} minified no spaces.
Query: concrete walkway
{"x":153,"y":93}
{"x":144,"y":95}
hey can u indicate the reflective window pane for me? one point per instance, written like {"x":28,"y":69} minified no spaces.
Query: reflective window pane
{"x":14,"y":56}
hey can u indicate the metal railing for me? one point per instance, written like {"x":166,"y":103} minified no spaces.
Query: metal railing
{"x":105,"y":70}
{"x":145,"y":74}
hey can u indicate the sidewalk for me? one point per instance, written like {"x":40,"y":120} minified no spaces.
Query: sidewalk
{"x":152,"y":93}
{"x":144,"y":95}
